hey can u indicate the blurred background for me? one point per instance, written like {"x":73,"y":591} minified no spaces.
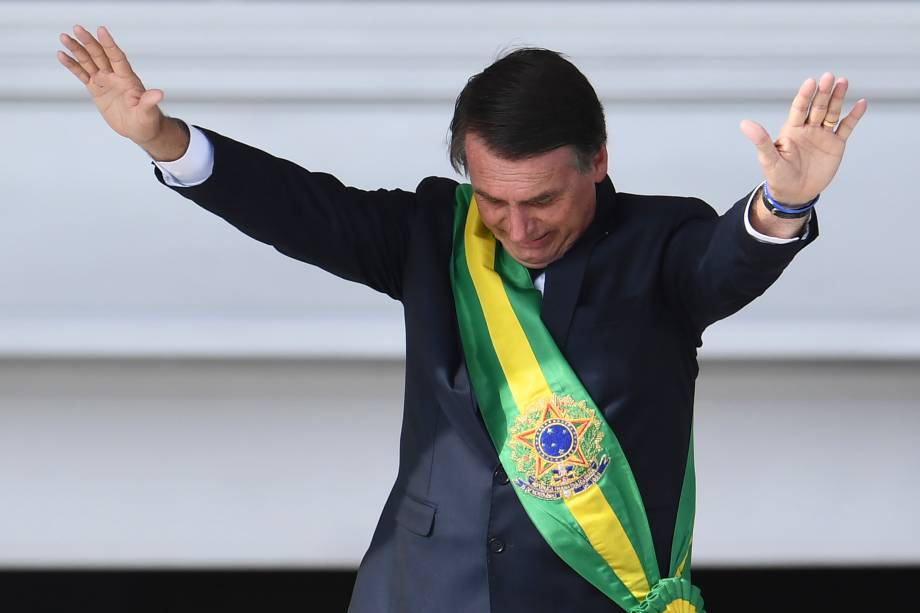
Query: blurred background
{"x":166,"y":382}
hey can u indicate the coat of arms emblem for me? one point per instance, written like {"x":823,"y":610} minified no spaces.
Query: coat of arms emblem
{"x":556,"y":448}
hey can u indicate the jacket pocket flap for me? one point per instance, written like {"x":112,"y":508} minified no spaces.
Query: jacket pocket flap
{"x":416,"y":515}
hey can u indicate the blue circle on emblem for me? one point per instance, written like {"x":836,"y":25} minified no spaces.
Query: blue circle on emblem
{"x":556,"y":440}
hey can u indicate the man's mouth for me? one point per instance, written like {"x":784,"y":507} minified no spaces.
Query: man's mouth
{"x":537,"y":242}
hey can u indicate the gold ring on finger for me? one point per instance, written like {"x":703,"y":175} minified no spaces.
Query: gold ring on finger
{"x":830,"y":124}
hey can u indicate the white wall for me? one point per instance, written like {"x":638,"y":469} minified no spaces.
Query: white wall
{"x":214,"y":463}
{"x":159,"y":367}
{"x":103,"y":260}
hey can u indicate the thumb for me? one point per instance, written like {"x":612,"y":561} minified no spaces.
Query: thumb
{"x":151,"y":98}
{"x":757,"y":134}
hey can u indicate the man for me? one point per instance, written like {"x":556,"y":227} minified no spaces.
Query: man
{"x":551,"y":325}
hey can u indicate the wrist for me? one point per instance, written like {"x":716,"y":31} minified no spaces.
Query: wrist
{"x":765,"y":222}
{"x":170,"y":143}
{"x":784,"y":209}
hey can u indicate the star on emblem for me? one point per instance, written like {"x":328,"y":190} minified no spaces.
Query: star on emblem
{"x":555,"y":439}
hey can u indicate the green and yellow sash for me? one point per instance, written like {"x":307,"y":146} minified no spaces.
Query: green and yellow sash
{"x":565,"y":462}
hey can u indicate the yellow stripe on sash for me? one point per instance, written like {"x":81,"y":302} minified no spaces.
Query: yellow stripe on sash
{"x":680,"y":568}
{"x":525,"y":378}
{"x":606,"y":534}
{"x":527,"y":384}
{"x":680,"y":606}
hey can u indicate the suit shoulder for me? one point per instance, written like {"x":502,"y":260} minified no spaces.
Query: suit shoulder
{"x":436,"y":197}
{"x":662,"y":210}
{"x":435,"y":188}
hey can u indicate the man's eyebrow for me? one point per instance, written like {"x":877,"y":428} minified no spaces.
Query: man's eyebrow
{"x":548,"y":194}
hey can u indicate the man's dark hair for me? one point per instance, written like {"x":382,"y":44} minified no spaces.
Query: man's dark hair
{"x":528,"y":102}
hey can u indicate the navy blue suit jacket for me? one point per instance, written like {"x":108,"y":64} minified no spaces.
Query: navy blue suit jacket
{"x":627,"y":305}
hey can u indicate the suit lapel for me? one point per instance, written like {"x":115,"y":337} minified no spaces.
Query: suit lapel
{"x":565,"y":276}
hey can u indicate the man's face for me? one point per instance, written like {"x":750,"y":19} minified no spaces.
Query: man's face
{"x":537,"y":207}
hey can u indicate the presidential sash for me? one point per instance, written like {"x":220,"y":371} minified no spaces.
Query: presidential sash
{"x":564,"y":461}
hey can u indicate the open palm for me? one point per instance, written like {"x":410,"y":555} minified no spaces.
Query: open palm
{"x":126,"y":105}
{"x":801,"y":162}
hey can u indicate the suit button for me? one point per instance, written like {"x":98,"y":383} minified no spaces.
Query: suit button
{"x":496,"y":546}
{"x":501,"y":477}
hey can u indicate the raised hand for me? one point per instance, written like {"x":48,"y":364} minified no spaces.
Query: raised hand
{"x":801,"y":162}
{"x":126,"y":105}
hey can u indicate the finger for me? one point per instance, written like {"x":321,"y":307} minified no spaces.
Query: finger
{"x":799,"y":110}
{"x":80,"y":54}
{"x":836,"y":103}
{"x":849,"y":122}
{"x":820,"y":102}
{"x":94,"y":48}
{"x":116,"y":56}
{"x":72,"y":65}
{"x":757,"y":134}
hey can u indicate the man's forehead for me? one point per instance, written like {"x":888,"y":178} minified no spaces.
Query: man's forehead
{"x":541,"y":196}
{"x":528,"y":180}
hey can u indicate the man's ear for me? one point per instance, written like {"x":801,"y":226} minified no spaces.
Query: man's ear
{"x":600,"y":164}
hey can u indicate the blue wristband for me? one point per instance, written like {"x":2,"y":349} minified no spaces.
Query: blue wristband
{"x":775,"y":206}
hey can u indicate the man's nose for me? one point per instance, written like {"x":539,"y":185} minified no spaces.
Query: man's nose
{"x":517,"y":224}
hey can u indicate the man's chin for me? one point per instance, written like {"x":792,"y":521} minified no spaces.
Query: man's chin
{"x":531,"y":261}
{"x":540,"y":257}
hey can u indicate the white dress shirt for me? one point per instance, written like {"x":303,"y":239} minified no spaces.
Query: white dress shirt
{"x":196,"y":165}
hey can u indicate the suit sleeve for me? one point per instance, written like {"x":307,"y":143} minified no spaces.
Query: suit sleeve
{"x":355,"y":234}
{"x":713,"y":266}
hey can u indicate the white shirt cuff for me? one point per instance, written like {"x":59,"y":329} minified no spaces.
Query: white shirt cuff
{"x":763,"y":238}
{"x":195,"y":166}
